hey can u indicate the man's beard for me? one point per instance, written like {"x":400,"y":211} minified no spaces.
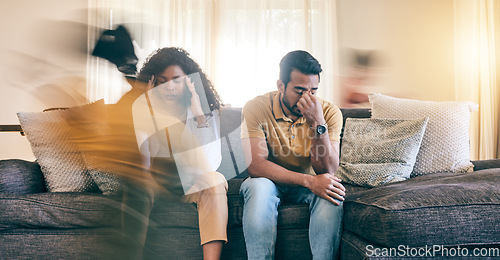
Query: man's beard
{"x":293,"y":109}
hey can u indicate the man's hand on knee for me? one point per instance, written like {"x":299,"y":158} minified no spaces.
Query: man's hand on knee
{"x":327,"y":187}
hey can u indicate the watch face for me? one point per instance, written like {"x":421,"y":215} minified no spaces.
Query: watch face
{"x":320,"y":129}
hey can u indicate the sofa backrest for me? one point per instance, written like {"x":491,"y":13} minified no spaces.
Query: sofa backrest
{"x":233,"y":162}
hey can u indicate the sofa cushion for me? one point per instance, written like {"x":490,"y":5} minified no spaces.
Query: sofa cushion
{"x":379,"y":151}
{"x":445,"y":146}
{"x":20,"y":177}
{"x":168,"y":213}
{"x":52,"y":243}
{"x":353,"y":247}
{"x":51,"y":137}
{"x":96,"y":138}
{"x":441,"y":208}
{"x":58,"y":210}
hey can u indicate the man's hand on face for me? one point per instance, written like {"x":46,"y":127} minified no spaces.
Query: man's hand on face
{"x":311,"y":109}
{"x":327,"y":187}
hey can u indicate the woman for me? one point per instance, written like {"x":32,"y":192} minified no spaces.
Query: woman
{"x":182,"y":149}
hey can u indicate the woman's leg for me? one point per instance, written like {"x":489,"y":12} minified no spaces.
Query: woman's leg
{"x":212,"y":250}
{"x":212,"y":213}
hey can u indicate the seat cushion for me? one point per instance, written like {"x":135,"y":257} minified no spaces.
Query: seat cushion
{"x":168,"y":213}
{"x":73,"y":243}
{"x":58,"y":210}
{"x":441,"y":208}
{"x":20,"y":177}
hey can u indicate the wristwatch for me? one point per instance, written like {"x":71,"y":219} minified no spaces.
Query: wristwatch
{"x":321,"y":129}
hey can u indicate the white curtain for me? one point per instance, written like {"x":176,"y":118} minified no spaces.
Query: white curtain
{"x":476,"y":72}
{"x":238,"y":43}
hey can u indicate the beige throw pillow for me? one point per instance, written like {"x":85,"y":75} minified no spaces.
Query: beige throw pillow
{"x":51,"y":139}
{"x":445,"y":145}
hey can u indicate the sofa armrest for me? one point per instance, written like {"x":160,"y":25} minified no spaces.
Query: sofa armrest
{"x":21,"y":177}
{"x":11,"y":128}
{"x":486,"y":164}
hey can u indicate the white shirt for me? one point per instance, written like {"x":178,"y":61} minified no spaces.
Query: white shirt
{"x":196,"y":151}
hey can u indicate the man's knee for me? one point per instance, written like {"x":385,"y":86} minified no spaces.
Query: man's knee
{"x":258,"y":186}
{"x":327,"y":210}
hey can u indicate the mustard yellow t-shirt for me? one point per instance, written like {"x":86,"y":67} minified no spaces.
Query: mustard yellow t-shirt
{"x":288,"y":142}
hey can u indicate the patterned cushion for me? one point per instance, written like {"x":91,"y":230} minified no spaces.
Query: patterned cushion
{"x":93,"y":138}
{"x":445,"y":146}
{"x":109,"y":184}
{"x":51,"y":137}
{"x":379,"y":151}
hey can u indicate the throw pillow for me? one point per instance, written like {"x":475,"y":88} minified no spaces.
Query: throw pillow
{"x":51,"y":138}
{"x":92,"y":133}
{"x":379,"y":151}
{"x":445,"y":146}
{"x":109,"y":184}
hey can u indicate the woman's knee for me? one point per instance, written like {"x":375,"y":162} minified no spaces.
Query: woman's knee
{"x":213,"y":181}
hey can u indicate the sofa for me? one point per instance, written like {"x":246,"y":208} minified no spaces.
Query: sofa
{"x":441,"y":214}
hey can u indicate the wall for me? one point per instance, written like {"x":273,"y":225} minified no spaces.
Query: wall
{"x":43,"y":62}
{"x":416,"y":38}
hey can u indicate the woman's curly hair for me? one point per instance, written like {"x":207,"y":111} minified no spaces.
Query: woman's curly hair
{"x":162,"y":58}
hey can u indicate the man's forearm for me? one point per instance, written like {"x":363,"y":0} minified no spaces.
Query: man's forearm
{"x":277,"y":173}
{"x":324,"y":158}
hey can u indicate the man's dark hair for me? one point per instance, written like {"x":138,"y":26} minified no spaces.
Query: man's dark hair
{"x":301,"y":61}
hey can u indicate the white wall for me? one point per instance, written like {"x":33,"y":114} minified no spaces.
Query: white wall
{"x":416,"y":38}
{"x":42,"y":62}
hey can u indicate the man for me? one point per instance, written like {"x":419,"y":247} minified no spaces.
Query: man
{"x":292,"y":139}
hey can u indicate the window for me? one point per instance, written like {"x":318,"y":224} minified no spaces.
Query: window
{"x":238,"y":43}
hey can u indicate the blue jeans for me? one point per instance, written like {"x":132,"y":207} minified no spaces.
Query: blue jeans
{"x":260,"y":218}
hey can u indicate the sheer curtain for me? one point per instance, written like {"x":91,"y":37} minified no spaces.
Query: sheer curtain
{"x":476,"y":72}
{"x":238,"y":43}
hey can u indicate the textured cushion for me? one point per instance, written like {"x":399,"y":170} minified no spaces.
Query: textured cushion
{"x":52,"y":243}
{"x":353,"y":247}
{"x":51,"y":137}
{"x":20,"y":177}
{"x":445,"y":146}
{"x":434,"y":209}
{"x":59,"y":210}
{"x":109,"y":184}
{"x":379,"y":151}
{"x":93,"y":137}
